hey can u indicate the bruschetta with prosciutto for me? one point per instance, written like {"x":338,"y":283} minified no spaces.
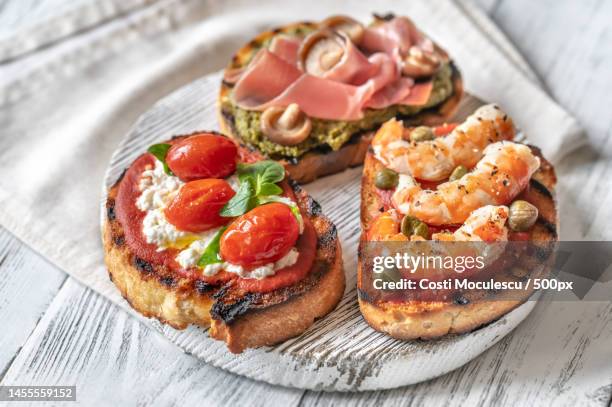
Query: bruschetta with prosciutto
{"x":309,"y":94}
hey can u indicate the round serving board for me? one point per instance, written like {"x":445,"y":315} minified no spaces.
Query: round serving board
{"x":339,"y":352}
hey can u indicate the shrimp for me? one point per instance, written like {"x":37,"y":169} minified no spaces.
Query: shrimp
{"x":487,"y":223}
{"x":484,"y":224}
{"x":502,"y":173}
{"x":434,"y":160}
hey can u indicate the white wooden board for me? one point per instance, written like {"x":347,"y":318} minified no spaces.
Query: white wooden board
{"x":340,"y":352}
{"x":559,"y":356}
{"x":27,"y":285}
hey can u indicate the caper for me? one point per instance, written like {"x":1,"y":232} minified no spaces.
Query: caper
{"x":421,"y":133}
{"x":421,"y":230}
{"x":457,"y":173}
{"x":386,"y":179}
{"x":522,"y":215}
{"x":412,"y":226}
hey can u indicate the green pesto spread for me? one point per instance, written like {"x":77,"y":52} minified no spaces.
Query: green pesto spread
{"x":331,"y":133}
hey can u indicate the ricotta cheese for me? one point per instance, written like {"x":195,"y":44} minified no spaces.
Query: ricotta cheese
{"x":157,"y":190}
{"x":267,"y":269}
{"x":189,"y":257}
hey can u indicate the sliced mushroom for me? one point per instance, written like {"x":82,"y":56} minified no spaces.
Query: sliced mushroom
{"x":285,"y":126}
{"x":419,"y":63}
{"x":351,"y":27}
{"x":321,"y":51}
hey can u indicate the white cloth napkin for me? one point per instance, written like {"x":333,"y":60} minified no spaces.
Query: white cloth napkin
{"x":64,"y":108}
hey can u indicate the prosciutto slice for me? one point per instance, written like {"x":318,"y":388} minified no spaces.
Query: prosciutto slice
{"x":392,"y":37}
{"x":399,"y":93}
{"x":268,"y":76}
{"x":285,"y":47}
{"x":317,"y":97}
{"x":357,"y":82}
{"x":354,"y":68}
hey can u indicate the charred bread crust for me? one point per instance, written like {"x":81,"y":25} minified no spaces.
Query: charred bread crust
{"x":324,"y":161}
{"x":476,"y":308}
{"x":152,"y":290}
{"x":156,"y":291}
{"x":267,"y":325}
{"x":231,"y":303}
{"x":257,"y":319}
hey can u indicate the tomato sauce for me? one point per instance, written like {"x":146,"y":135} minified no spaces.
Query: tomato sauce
{"x":307,"y":248}
{"x":131,"y":219}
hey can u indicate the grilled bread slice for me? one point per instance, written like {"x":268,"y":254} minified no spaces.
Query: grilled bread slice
{"x":323,"y":160}
{"x":467,"y":311}
{"x":243,"y":320}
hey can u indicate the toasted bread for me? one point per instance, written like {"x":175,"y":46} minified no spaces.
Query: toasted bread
{"x":469,"y":310}
{"x":323,"y":160}
{"x":242,"y":320}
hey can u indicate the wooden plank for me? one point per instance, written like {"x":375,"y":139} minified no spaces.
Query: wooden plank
{"x":567,"y":42}
{"x":113,"y":359}
{"x":27,"y":285}
{"x":559,"y":356}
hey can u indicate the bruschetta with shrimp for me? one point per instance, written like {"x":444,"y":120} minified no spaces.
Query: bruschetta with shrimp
{"x":200,"y":230}
{"x":466,"y":182}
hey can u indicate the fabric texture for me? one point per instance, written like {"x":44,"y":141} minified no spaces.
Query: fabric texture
{"x":65,"y":108}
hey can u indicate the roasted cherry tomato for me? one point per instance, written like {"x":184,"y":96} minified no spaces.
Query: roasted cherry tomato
{"x":202,"y":156}
{"x":261,"y":236}
{"x":197,"y":205}
{"x":444,"y":129}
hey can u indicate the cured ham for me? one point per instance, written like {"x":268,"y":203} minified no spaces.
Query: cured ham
{"x":354,"y":68}
{"x":268,"y":76}
{"x":368,"y":76}
{"x":399,"y":34}
{"x":285,"y":47}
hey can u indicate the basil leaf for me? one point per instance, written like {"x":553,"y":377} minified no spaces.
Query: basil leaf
{"x":298,"y":215}
{"x":211,"y":253}
{"x":271,"y":173}
{"x":269,"y":189}
{"x":242,"y":202}
{"x":160,"y":151}
{"x":256,"y":180}
{"x":264,"y":172}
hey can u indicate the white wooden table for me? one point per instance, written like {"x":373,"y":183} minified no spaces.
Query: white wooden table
{"x":57,"y":332}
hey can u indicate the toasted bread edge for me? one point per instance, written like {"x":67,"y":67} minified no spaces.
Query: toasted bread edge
{"x":421,"y":320}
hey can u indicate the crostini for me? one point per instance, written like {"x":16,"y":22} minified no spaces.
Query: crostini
{"x":309,"y":94}
{"x":200,"y":230}
{"x":467,"y":182}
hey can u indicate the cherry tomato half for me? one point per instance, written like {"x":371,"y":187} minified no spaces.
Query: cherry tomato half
{"x":202,"y":156}
{"x":261,"y":236}
{"x":197,"y":205}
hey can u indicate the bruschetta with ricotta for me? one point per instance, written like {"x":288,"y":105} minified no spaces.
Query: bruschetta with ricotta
{"x":310,"y":93}
{"x":200,"y":230}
